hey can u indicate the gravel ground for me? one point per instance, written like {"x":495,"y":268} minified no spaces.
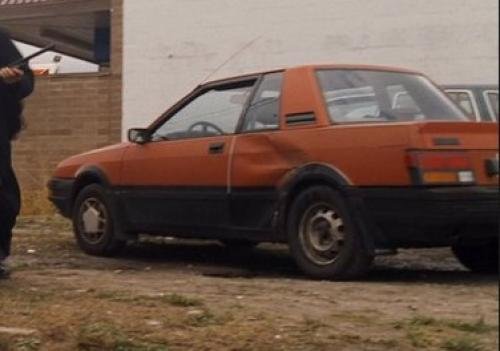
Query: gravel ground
{"x":178,"y":295}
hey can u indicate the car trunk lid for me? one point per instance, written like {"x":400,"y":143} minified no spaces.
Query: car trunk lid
{"x":477,"y":141}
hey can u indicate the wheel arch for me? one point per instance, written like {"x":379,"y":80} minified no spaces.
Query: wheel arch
{"x":87,"y":176}
{"x":322,"y":174}
{"x":304,"y":177}
{"x":95,"y":175}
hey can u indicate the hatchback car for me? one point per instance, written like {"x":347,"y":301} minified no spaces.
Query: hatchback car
{"x":337,"y":161}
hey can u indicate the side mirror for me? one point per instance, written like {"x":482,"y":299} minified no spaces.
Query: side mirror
{"x":139,"y":136}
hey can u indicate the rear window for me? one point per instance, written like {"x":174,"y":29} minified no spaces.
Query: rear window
{"x":377,"y":96}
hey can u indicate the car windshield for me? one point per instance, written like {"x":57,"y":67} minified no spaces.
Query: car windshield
{"x":379,"y":96}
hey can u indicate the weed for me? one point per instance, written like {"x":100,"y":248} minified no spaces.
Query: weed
{"x":423,"y":321}
{"x":202,"y":319}
{"x":463,"y":344}
{"x":171,"y":299}
{"x":181,"y":300}
{"x":417,"y":338}
{"x":28,"y":345}
{"x":478,"y":327}
{"x":107,"y":337}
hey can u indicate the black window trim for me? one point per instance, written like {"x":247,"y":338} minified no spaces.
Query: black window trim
{"x":301,"y":119}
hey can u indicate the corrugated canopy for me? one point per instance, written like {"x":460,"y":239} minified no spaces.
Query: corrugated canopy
{"x":79,"y":28}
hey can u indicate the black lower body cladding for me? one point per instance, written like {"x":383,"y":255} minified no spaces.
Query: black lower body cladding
{"x":61,"y":195}
{"x":429,"y":217}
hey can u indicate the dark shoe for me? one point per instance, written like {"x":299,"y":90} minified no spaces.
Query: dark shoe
{"x":4,"y":271}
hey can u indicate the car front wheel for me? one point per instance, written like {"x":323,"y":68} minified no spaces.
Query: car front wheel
{"x":479,"y":258}
{"x":93,"y":222}
{"x":323,"y":238}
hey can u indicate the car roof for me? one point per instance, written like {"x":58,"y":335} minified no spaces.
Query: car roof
{"x":313,"y":67}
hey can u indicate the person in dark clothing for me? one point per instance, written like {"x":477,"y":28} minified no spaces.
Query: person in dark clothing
{"x":16,"y":83}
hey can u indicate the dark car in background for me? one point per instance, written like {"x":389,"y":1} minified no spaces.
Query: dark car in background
{"x":480,"y":102}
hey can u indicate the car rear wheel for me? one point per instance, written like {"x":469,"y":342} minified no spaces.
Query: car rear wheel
{"x":323,"y":238}
{"x":480,"y":258}
{"x":93,"y":222}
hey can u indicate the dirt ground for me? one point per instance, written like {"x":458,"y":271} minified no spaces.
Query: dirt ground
{"x":167,"y":295}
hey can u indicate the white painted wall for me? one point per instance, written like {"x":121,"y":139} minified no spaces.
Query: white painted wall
{"x":172,"y":45}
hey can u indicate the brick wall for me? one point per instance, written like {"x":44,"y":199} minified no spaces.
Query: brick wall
{"x":66,"y":115}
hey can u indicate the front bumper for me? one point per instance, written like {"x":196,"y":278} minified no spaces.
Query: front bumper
{"x":424,"y":217}
{"x":61,"y":194}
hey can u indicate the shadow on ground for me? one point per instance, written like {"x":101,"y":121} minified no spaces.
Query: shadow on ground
{"x":273,"y":261}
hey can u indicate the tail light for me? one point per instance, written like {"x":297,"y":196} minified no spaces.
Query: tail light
{"x":440,"y":168}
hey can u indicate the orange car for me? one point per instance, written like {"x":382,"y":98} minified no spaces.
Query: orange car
{"x":337,"y":161}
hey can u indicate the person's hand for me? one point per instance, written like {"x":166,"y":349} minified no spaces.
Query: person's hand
{"x":11,"y":75}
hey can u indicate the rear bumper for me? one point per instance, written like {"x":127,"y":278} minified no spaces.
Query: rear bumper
{"x":423,"y":217}
{"x":61,"y":194}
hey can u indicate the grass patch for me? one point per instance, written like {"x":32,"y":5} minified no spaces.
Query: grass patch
{"x":181,"y":300}
{"x":176,"y":300}
{"x":418,"y":338}
{"x":27,"y":345}
{"x":202,"y":319}
{"x":17,"y":344}
{"x":423,"y":321}
{"x":422,"y":331}
{"x":463,"y":344}
{"x":478,"y":327}
{"x":107,"y":337}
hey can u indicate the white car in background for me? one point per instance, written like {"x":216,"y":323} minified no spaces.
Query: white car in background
{"x":480,"y":102}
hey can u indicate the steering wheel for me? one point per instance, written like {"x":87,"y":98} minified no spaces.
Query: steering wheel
{"x":205,"y":127}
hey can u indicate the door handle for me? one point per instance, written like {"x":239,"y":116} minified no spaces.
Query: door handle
{"x":216,"y":148}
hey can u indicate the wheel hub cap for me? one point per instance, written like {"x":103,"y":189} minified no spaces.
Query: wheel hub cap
{"x":93,"y":220}
{"x":322,"y":234}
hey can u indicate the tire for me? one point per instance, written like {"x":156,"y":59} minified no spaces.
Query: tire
{"x":93,"y":222}
{"x":479,"y":258}
{"x":239,"y":244}
{"x":323,"y":238}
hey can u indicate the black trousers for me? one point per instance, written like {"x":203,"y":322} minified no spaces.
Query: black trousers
{"x":10,"y":200}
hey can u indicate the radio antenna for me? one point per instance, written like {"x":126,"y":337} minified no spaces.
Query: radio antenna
{"x":230,"y":58}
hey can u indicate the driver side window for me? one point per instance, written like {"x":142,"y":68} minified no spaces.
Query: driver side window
{"x":214,"y":112}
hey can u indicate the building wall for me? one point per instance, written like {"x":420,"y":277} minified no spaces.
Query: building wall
{"x":170,"y":45}
{"x":67,"y":115}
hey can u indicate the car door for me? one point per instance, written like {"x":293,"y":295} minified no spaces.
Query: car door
{"x":256,"y":162}
{"x":178,"y":180}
